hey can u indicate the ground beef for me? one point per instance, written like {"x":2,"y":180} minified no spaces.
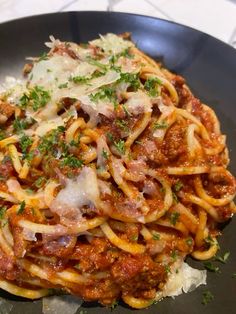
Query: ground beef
{"x":136,"y":274}
{"x":174,"y":145}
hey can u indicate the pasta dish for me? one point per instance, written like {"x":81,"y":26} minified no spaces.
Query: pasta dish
{"x":111,"y":174}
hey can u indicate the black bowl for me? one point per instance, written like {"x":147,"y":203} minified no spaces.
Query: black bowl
{"x":209,"y":66}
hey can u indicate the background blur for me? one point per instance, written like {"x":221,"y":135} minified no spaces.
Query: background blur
{"x":215,"y":17}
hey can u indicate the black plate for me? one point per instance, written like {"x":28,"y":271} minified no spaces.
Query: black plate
{"x":210,"y":69}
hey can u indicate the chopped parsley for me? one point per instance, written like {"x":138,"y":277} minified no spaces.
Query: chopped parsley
{"x":174,"y":217}
{"x":134,"y":238}
{"x":207,"y":297}
{"x":2,"y":135}
{"x":156,"y":236}
{"x":122,"y":124}
{"x":21,"y":208}
{"x":110,"y":137}
{"x":131,"y":78}
{"x":223,"y":259}
{"x":104,"y":93}
{"x":97,"y":63}
{"x":234,"y":275}
{"x":160,"y":125}
{"x":105,"y":154}
{"x":189,"y":241}
{"x":50,"y":140}
{"x":125,"y":53}
{"x":151,"y":86}
{"x":114,"y":305}
{"x":64,"y":85}
{"x":44,"y":56}
{"x":174,"y":255}
{"x":120,"y":146}
{"x":77,"y":266}
{"x":175,"y":197}
{"x":39,"y":182}
{"x":21,"y":124}
{"x":212,"y":268}
{"x":167,"y":269}
{"x":126,"y":110}
{"x":25,"y":143}
{"x":36,"y":98}
{"x":178,"y":186}
{"x":3,"y":210}
{"x":209,"y":240}
{"x":79,"y":79}
{"x":71,"y":161}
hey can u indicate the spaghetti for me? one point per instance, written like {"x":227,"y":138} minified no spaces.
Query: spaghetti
{"x":111,"y":173}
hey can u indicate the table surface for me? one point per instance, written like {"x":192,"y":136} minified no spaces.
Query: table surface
{"x":215,"y":17}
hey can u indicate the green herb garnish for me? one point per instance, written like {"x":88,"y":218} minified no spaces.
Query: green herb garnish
{"x":79,"y":79}
{"x":174,"y":254}
{"x":105,"y":154}
{"x":21,"y":208}
{"x":131,"y":78}
{"x":64,"y":85}
{"x":39,"y":182}
{"x":77,"y":266}
{"x":167,"y":269}
{"x":156,"y":236}
{"x":174,"y":217}
{"x":189,"y":241}
{"x":120,"y":146}
{"x":160,"y":125}
{"x":207,"y":297}
{"x":97,"y":63}
{"x":44,"y":56}
{"x":104,"y":93}
{"x":209,"y":266}
{"x":223,"y":259}
{"x":25,"y":143}
{"x":114,"y":305}
{"x":134,"y":238}
{"x":122,"y":124}
{"x":151,"y":86}
{"x":178,"y":186}
{"x":36,"y":98}
{"x":175,"y":197}
{"x":71,"y":161}
{"x":3,"y":210}
{"x":21,"y":124}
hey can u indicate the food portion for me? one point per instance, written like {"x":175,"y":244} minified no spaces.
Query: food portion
{"x":111,"y":174}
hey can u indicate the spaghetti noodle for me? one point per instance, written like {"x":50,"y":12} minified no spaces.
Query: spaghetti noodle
{"x":111,"y":173}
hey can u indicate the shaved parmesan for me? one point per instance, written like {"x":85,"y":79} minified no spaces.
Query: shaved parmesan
{"x":14,"y":88}
{"x":111,"y":43}
{"x":66,"y":304}
{"x":184,"y":279}
{"x":83,"y":191}
{"x":5,"y":306}
{"x":47,"y":126}
{"x":138,"y":103}
{"x":52,"y":72}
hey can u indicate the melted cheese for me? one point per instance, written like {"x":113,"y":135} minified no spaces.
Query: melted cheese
{"x":83,"y":191}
